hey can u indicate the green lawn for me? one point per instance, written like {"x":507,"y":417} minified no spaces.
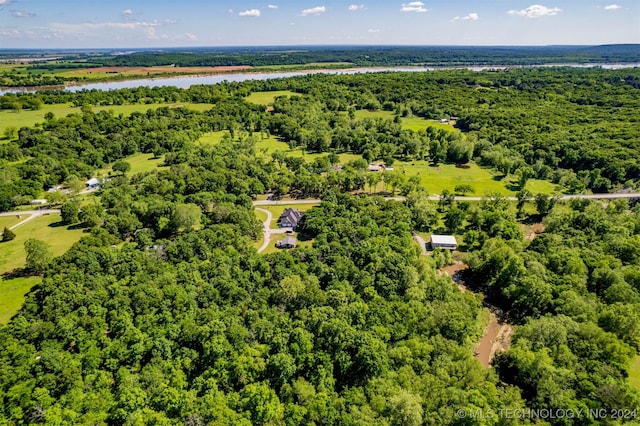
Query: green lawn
{"x":276,"y":211}
{"x":265,"y":98}
{"x":28,"y":118}
{"x":12,"y":256}
{"x":9,"y":221}
{"x":140,"y":163}
{"x":267,"y":146}
{"x":271,"y":248}
{"x":634,"y":372}
{"x":447,"y":176}
{"x":14,"y":291}
{"x":417,"y":124}
{"x":212,"y":138}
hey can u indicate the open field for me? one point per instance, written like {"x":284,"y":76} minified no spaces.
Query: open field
{"x":13,"y":291}
{"x":8,"y":221}
{"x":12,"y":256}
{"x":212,"y":138}
{"x":416,"y":124}
{"x":634,"y":372}
{"x":140,"y":163}
{"x":265,"y":98}
{"x":271,"y":144}
{"x":447,"y":176}
{"x":29,"y":118}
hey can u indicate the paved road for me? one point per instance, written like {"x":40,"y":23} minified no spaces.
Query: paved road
{"x":437,"y":197}
{"x":32,"y":214}
{"x":266,"y":230}
{"x":421,"y":242}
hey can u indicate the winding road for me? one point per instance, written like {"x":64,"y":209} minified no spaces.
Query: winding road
{"x":266,"y":231}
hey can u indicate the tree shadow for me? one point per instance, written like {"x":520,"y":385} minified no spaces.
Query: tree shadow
{"x":18,"y":273}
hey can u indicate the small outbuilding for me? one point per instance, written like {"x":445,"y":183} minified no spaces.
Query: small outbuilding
{"x":39,"y":202}
{"x":290,"y":218}
{"x":288,"y":242}
{"x":444,"y":241}
{"x":93,"y":183}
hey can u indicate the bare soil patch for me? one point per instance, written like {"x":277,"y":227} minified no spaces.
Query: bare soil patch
{"x":530,"y":232}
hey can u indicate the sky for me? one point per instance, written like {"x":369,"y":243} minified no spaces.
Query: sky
{"x":170,"y":23}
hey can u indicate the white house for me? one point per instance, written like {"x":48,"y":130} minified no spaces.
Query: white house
{"x":93,"y":183}
{"x":444,"y":241}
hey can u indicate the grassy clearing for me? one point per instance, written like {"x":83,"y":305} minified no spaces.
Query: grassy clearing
{"x":9,"y":221}
{"x":268,"y":146}
{"x":140,"y":163}
{"x":416,"y":124}
{"x":212,"y":138}
{"x":265,"y":98}
{"x":29,"y":118}
{"x":634,"y":372}
{"x":14,"y":291}
{"x":12,"y":256}
{"x":447,"y":176}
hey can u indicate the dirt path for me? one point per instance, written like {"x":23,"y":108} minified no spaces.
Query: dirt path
{"x":497,"y":335}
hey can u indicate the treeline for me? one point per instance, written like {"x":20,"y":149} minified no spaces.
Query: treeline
{"x":383,"y":56}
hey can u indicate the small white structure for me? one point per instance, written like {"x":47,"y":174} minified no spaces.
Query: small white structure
{"x":93,"y":183}
{"x":374,"y":167}
{"x":39,"y":202}
{"x":444,"y":241}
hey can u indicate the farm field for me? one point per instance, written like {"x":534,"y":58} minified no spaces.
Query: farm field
{"x":29,"y":118}
{"x":12,"y":256}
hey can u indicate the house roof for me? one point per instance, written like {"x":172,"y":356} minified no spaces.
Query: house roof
{"x":443,"y":239}
{"x":93,"y":181}
{"x":288,"y":241}
{"x":291,"y":215}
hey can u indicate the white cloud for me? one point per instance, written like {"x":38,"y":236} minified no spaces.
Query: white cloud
{"x":414,"y":6}
{"x":356,"y":7}
{"x":190,"y":36}
{"x":127,"y":12}
{"x":535,"y":11}
{"x":22,"y":14}
{"x":613,"y":7}
{"x":470,"y":17}
{"x":272,"y":6}
{"x":252,"y":13}
{"x":99,"y":29}
{"x":5,"y":2}
{"x":371,"y":30}
{"x":314,"y":11}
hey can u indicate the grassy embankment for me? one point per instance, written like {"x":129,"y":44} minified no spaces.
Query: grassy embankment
{"x":12,"y":256}
{"x":634,"y":373}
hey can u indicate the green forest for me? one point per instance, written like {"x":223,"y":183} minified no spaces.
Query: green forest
{"x":165,"y":313}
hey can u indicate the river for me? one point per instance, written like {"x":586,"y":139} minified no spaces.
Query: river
{"x":186,"y":81}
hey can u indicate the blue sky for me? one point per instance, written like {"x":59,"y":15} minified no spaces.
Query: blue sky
{"x":146,"y":23}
